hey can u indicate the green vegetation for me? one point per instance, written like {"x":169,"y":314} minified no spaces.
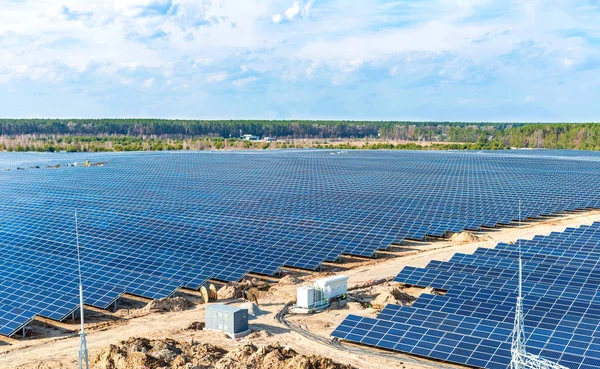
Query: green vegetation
{"x":157,"y":134}
{"x":298,"y":129}
{"x":554,"y":136}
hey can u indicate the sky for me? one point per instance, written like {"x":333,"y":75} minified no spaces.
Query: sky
{"x":445,"y":60}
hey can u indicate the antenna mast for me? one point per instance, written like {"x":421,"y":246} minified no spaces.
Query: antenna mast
{"x":83,"y":352}
{"x":518,"y":339}
{"x":520,"y":359}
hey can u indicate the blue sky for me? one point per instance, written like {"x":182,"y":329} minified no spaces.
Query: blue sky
{"x":524,"y":60}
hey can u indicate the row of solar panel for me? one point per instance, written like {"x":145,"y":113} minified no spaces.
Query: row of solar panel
{"x":173,"y":220}
{"x":418,"y":207}
{"x":561,"y":307}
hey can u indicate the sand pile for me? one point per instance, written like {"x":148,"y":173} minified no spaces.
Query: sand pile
{"x":196,"y":326}
{"x":392,"y":296}
{"x":234,"y":290}
{"x":261,"y":285}
{"x":289,"y":280}
{"x":171,"y":354}
{"x":355,"y":306}
{"x":466,"y":236}
{"x":383,"y":299}
{"x":168,"y":304}
{"x":227,"y":292}
{"x":255,"y":335}
{"x":402,"y":296}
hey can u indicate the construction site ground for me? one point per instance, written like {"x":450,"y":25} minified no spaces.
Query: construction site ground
{"x":55,"y":345}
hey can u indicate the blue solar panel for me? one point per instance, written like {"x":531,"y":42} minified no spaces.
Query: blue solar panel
{"x":561,"y":303}
{"x":153,"y":222}
{"x":532,"y":273}
{"x":447,"y":337}
{"x":442,"y":280}
{"x":542,"y":312}
{"x":38,"y":301}
{"x":13,"y":319}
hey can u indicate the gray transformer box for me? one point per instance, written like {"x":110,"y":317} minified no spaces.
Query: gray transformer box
{"x":232,"y":320}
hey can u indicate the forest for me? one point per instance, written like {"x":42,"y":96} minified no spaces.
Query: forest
{"x":297,"y":129}
{"x":160,"y":134}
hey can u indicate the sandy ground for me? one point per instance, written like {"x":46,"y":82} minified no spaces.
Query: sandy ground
{"x":52,"y":345}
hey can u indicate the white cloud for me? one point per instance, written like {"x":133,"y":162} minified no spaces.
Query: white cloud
{"x":217,"y":77}
{"x":242,"y":82}
{"x":310,"y":70}
{"x":351,"y":65}
{"x":568,"y":62}
{"x":435,"y":45}
{"x":529,"y":98}
{"x":148,"y":82}
{"x":292,"y":11}
{"x":307,"y":7}
{"x":129,"y":37}
{"x":203,"y":61}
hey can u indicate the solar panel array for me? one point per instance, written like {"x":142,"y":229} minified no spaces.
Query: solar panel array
{"x":151,"y":223}
{"x":471,"y":324}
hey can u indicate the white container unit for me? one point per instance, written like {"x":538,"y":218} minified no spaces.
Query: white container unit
{"x":333,"y":286}
{"x":321,"y":292}
{"x":305,"y":297}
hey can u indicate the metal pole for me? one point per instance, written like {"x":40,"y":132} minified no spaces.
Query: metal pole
{"x":83,"y":352}
{"x":520,"y":259}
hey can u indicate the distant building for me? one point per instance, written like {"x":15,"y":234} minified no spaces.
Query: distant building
{"x":268,"y":139}
{"x":249,"y":138}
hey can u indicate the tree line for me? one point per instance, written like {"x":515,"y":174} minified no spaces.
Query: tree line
{"x":291,"y":129}
{"x":161,"y":134}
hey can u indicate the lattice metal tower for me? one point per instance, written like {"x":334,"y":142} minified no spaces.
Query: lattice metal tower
{"x":520,"y":359}
{"x":83,"y":351}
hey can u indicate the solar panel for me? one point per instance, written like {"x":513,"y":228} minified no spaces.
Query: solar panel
{"x":532,"y":273}
{"x":447,"y":337}
{"x":446,"y":280}
{"x":465,"y":339}
{"x":567,"y":343}
{"x":13,"y":319}
{"x":153,"y":222}
{"x":108,"y":282}
{"x":50,"y":304}
{"x":561,"y":304}
{"x":543,"y":312}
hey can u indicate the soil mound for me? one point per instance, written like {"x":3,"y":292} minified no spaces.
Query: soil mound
{"x":196,"y":326}
{"x":289,"y":280}
{"x":466,"y":236}
{"x":234,"y":290}
{"x":402,"y":296}
{"x":168,"y":304}
{"x":384,"y":298}
{"x":168,"y":353}
{"x":392,"y":296}
{"x":258,"y":335}
{"x":355,"y":306}
{"x":227,"y":292}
